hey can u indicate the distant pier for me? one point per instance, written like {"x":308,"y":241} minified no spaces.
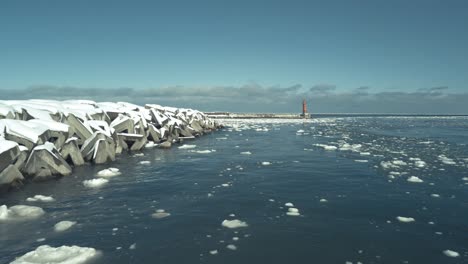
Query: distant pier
{"x":226,"y":115}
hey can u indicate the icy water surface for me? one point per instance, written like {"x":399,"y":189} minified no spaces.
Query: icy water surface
{"x":330,"y":190}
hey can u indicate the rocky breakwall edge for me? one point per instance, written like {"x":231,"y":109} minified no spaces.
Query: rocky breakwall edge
{"x":40,"y":139}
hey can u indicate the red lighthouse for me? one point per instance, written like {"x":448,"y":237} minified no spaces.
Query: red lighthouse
{"x":304,"y":109}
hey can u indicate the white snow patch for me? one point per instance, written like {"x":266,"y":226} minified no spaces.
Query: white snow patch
{"x":236,"y":223}
{"x":95,"y":183}
{"x":19,"y":212}
{"x":451,"y":253}
{"x":405,"y":219}
{"x":40,"y":198}
{"x":63,"y":225}
{"x":185,"y":146}
{"x":65,"y":254}
{"x":110,"y":172}
{"x":414,"y":179}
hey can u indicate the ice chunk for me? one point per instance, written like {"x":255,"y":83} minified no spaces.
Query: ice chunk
{"x":231,"y":247}
{"x":110,"y":172}
{"x":266,"y":163}
{"x":132,"y":246}
{"x":20,"y":212}
{"x":405,"y":219}
{"x":63,"y":225}
{"x":361,"y":161}
{"x":203,"y":151}
{"x":150,"y":144}
{"x":444,"y":159}
{"x":293,"y":211}
{"x":95,"y":183}
{"x":420,"y":164}
{"x":325,"y":147}
{"x":435,"y":195}
{"x":145,"y":162}
{"x":246,"y":153}
{"x":160,"y":213}
{"x":213,"y":252}
{"x":185,"y":146}
{"x":323,"y":200}
{"x":65,"y":254}
{"x":236,"y":223}
{"x":399,"y":163}
{"x":289,"y":204}
{"x":451,"y":253}
{"x":40,"y":198}
{"x":414,"y":179}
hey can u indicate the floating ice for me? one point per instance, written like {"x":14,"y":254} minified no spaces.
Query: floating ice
{"x":465,"y":179}
{"x":405,"y":219}
{"x":231,"y":247}
{"x":150,"y":144}
{"x":364,"y":153}
{"x":145,"y":162}
{"x":63,"y":225}
{"x":185,"y":146}
{"x":246,"y":153}
{"x":293,"y":211}
{"x":435,"y":195}
{"x":420,"y":164}
{"x":213,"y":252}
{"x":235,"y":238}
{"x":323,"y":200}
{"x":289,"y":204}
{"x":266,"y":163}
{"x":444,"y":159}
{"x":40,"y":198}
{"x":236,"y":223}
{"x":451,"y":253}
{"x":132,"y":246}
{"x":414,"y":179}
{"x":362,"y":161}
{"x":325,"y":147}
{"x":203,"y":151}
{"x":399,"y":163}
{"x":19,"y":212}
{"x":110,"y":172}
{"x":65,"y":254}
{"x":95,"y":183}
{"x":160,"y":213}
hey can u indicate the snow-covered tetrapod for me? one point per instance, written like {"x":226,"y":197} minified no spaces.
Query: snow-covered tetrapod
{"x":43,"y":138}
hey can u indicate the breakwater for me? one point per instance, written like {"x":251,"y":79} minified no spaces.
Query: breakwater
{"x":40,"y":139}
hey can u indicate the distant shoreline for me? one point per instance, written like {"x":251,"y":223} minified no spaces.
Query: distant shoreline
{"x":227,"y":115}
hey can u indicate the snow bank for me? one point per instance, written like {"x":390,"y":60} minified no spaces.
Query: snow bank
{"x":19,"y":212}
{"x":40,"y":198}
{"x":110,"y":172}
{"x":95,"y":183}
{"x":63,"y":225}
{"x":236,"y":223}
{"x":65,"y":254}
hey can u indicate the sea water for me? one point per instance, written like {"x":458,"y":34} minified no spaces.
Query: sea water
{"x":326,"y":190}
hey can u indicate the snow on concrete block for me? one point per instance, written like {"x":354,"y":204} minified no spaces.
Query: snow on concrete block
{"x":71,"y":152}
{"x":45,"y":161}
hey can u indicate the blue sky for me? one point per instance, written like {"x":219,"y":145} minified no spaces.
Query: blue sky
{"x":388,"y":47}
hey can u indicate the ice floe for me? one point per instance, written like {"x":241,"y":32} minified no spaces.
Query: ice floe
{"x":246,"y":153}
{"x":20,"y":212}
{"x":325,"y":147}
{"x":266,"y":163}
{"x":444,"y":159}
{"x":46,"y":254}
{"x":186,"y":146}
{"x":435,"y":195}
{"x":213,"y":252}
{"x":40,"y":198}
{"x":63,"y":225}
{"x":289,"y":204}
{"x":293,"y":211}
{"x":95,"y":183}
{"x":132,"y":246}
{"x":404,"y":219}
{"x":236,"y":223}
{"x":160,"y":213}
{"x":231,"y":247}
{"x":323,"y":200}
{"x":110,"y":172}
{"x":451,"y":253}
{"x":203,"y":151}
{"x":145,"y":162}
{"x":414,"y":179}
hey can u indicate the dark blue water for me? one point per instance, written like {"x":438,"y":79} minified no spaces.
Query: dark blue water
{"x":365,"y":190}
